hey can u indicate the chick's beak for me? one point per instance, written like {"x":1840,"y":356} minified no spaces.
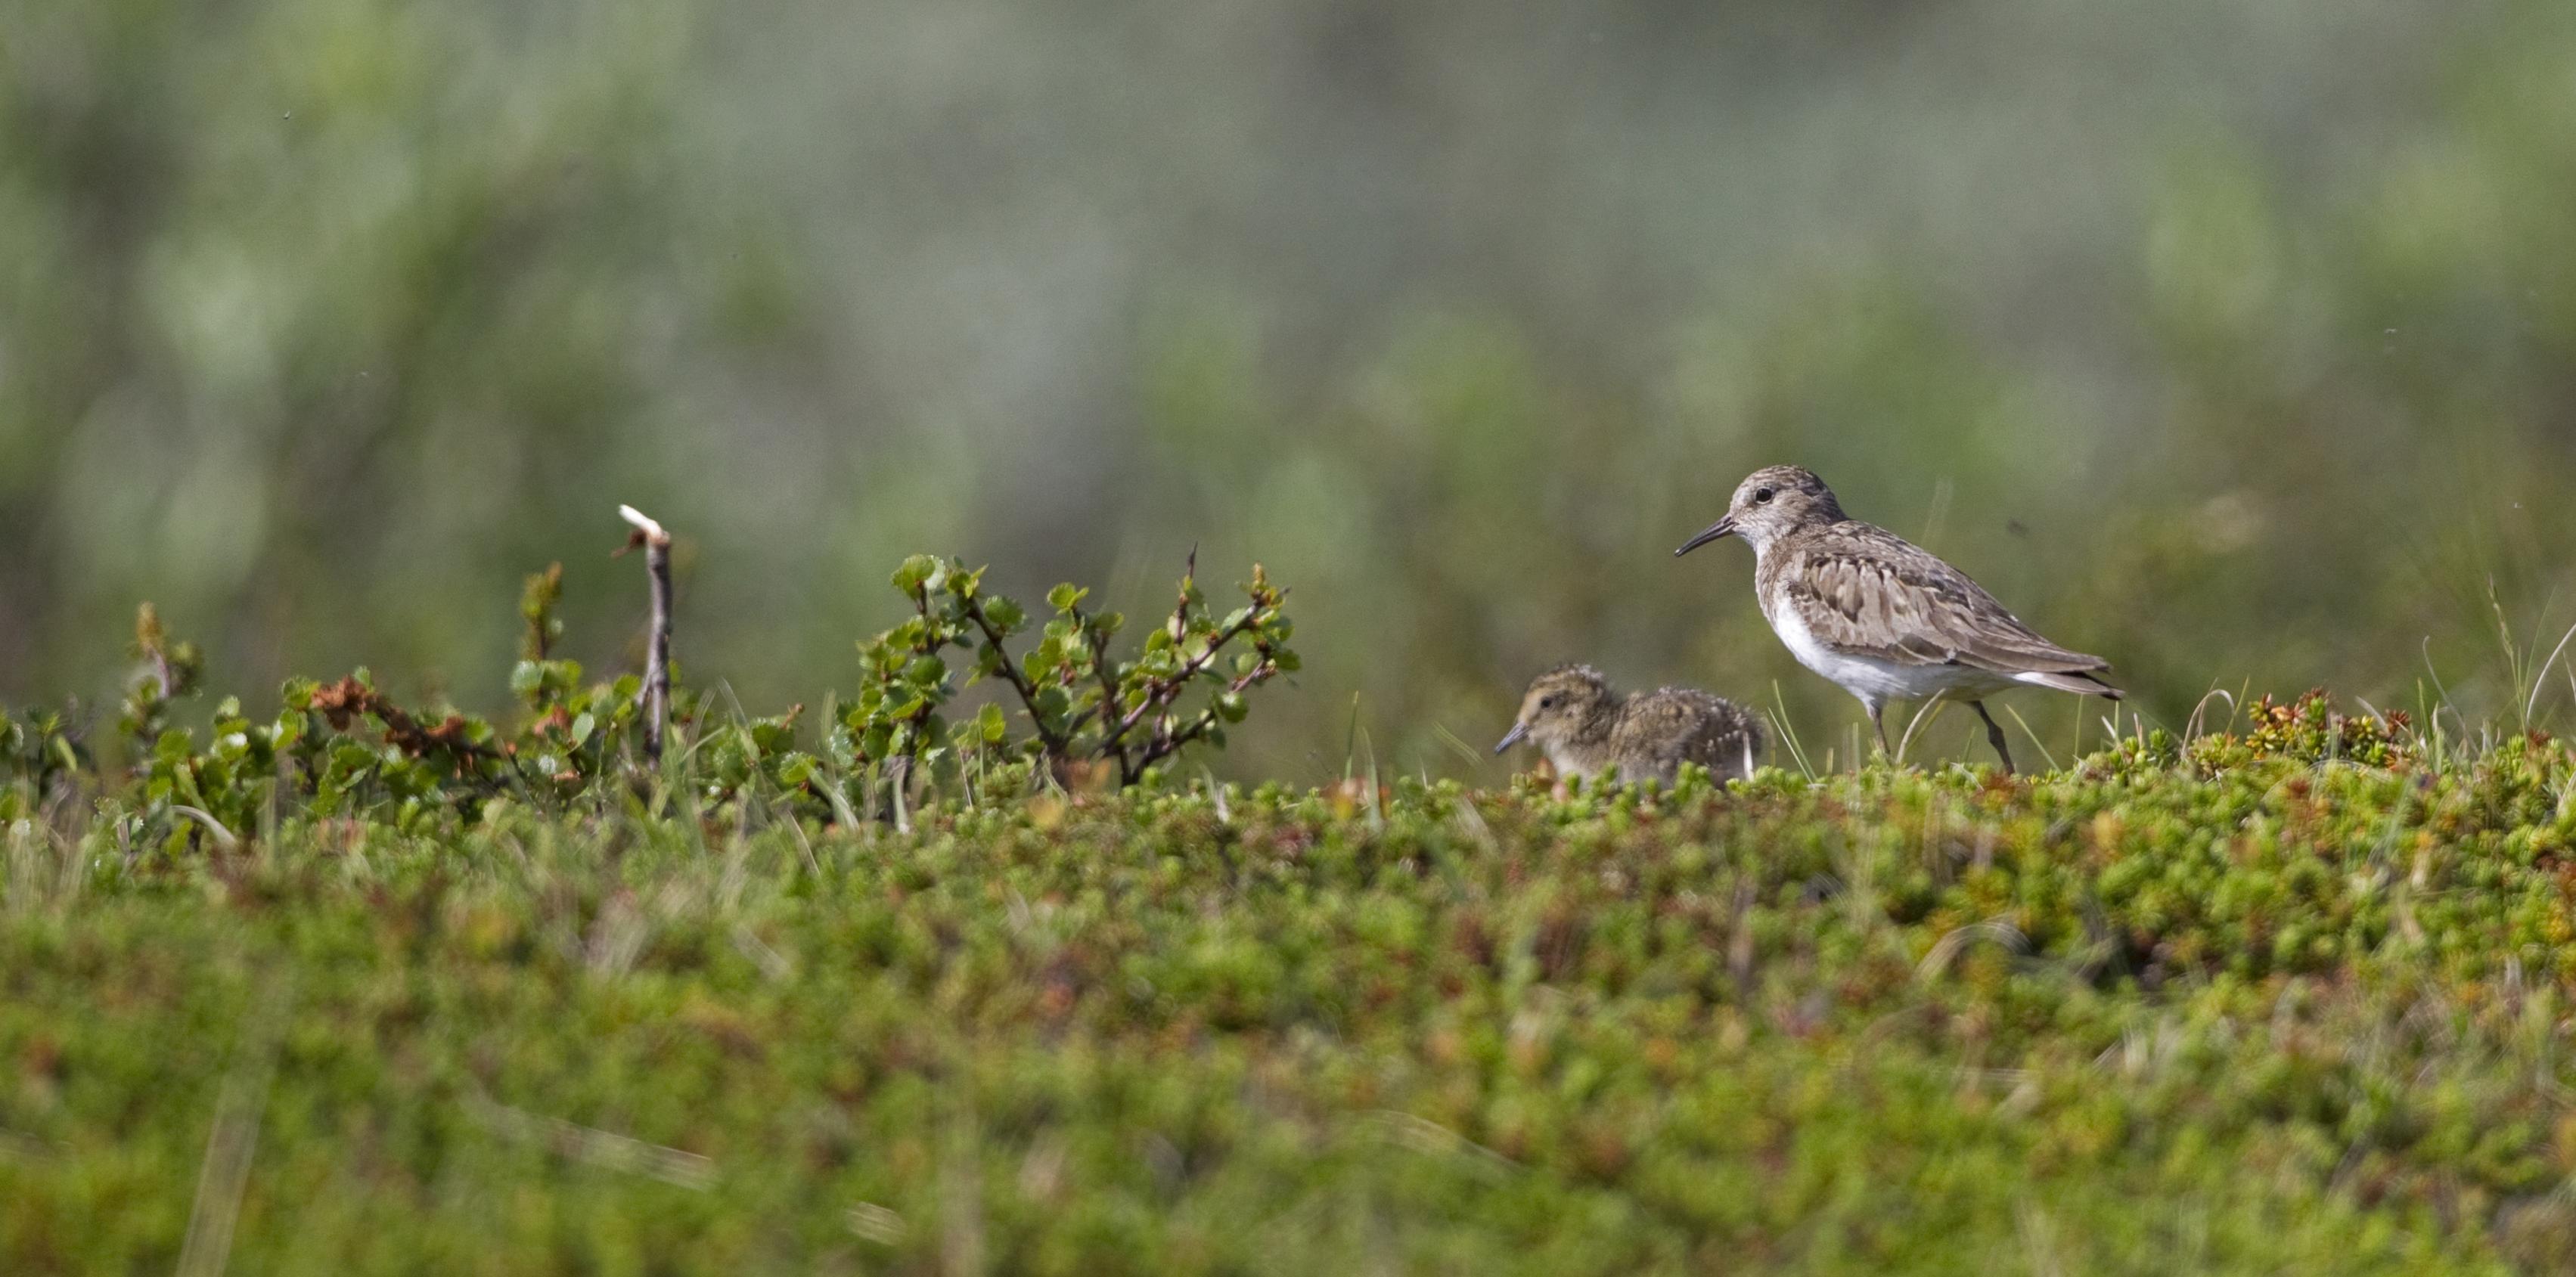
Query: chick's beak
{"x":1519,"y":733}
{"x":1716,"y":531}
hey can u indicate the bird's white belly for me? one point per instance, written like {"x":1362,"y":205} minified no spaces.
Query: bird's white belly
{"x":1873,"y":679}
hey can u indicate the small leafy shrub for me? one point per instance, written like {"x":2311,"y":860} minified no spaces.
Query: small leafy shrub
{"x":170,"y":671}
{"x":39,"y":755}
{"x":1089,"y":714}
{"x":2135,"y":758}
{"x":2310,"y":730}
{"x":345,"y":748}
{"x":571,"y":735}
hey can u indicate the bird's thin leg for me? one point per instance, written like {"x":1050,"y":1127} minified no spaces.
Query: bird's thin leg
{"x":1877,"y":719}
{"x":1995,"y":735}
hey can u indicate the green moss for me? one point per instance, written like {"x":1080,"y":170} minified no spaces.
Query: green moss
{"x":2279,"y":1016}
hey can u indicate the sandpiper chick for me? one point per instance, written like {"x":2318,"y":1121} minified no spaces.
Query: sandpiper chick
{"x":1583,"y":727}
{"x":1880,"y":616}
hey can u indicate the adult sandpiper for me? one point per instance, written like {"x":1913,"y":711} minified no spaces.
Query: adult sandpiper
{"x":1880,"y":616}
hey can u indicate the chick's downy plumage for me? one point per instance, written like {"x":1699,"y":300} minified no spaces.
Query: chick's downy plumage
{"x":1571,"y":714}
{"x":1658,"y":731}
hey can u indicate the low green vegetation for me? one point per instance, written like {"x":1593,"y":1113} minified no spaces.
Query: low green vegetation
{"x":1086,"y":717}
{"x":2288,"y":999}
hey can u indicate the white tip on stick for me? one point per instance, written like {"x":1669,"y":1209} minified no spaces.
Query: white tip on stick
{"x":645,"y":524}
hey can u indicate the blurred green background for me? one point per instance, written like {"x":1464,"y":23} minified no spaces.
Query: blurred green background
{"x":2233,"y":339}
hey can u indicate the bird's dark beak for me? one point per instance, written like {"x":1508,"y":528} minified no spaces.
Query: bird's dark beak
{"x":1519,"y":733}
{"x":1719,"y":530}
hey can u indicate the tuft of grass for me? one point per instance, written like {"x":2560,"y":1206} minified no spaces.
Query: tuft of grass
{"x":1784,"y":730}
{"x":2036,"y":743}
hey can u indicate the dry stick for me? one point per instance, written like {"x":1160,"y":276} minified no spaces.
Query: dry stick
{"x":657,"y":656}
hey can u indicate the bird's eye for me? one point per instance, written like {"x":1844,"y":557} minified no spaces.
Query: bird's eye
{"x":1761,"y":495}
{"x":1547,"y":702}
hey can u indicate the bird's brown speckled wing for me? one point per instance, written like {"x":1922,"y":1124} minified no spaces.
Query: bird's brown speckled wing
{"x":1663,"y":729}
{"x":1865,"y":591}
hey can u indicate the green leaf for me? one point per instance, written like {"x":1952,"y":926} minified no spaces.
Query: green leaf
{"x":914,"y":573}
{"x":795,"y":769}
{"x":1005,"y":615}
{"x":773,"y":735}
{"x":1063,"y":597}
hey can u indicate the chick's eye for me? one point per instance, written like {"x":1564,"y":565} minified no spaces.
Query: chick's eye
{"x":1761,"y":495}
{"x":1547,"y":702}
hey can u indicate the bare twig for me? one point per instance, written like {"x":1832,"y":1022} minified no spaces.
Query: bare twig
{"x":657,"y":656}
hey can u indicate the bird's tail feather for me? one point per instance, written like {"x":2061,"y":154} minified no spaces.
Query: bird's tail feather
{"x":2080,"y":684}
